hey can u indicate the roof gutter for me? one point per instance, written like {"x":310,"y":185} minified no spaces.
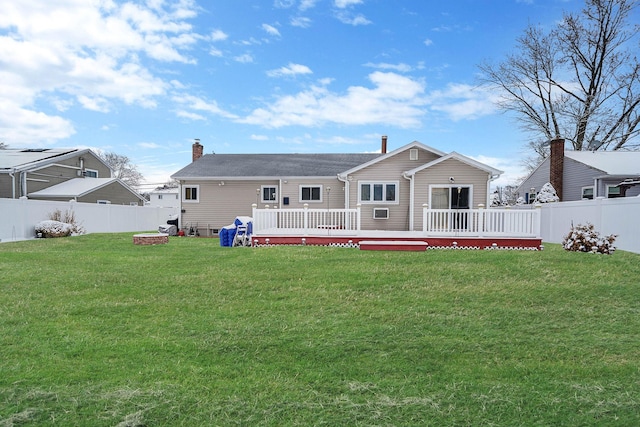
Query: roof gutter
{"x":410,"y":177}
{"x":345,"y":179}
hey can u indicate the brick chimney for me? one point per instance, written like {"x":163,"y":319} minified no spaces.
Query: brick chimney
{"x":383,"y":149}
{"x":196,"y":150}
{"x":557,"y":165}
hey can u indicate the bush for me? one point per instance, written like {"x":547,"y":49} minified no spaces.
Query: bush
{"x":585,"y":238}
{"x":68,"y":217}
{"x":51,"y":228}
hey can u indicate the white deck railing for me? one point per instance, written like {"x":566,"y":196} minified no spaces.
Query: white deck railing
{"x":481,"y":222}
{"x":306,"y":221}
{"x":436,"y":222}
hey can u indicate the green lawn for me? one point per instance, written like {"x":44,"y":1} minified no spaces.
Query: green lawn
{"x":96,"y":331}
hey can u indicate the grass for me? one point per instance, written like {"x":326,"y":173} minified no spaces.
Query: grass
{"x":97,"y":331}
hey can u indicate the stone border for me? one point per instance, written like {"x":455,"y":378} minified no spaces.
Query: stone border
{"x":150,"y":239}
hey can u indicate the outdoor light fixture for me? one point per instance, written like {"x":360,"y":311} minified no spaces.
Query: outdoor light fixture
{"x":452,"y":179}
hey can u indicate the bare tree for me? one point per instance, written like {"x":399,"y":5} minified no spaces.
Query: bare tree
{"x":123,"y":169}
{"x":580,"y":81}
{"x":3,"y":146}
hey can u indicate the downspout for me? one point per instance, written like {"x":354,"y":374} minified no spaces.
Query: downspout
{"x":345,"y":179}
{"x":23,"y":184}
{"x":13,"y":183}
{"x":411,"y":198}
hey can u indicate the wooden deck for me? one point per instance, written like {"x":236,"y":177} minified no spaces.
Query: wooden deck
{"x":401,"y":241}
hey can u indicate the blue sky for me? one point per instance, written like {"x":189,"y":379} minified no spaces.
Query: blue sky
{"x":144,"y":78}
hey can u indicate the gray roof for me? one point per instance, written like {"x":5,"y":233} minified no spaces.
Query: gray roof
{"x":15,"y":158}
{"x":272,"y":165}
{"x":78,"y":187}
{"x":610,"y":162}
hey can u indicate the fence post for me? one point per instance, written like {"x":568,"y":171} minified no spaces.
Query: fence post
{"x":481,"y":220}
{"x":305,"y":218}
{"x":537,"y":220}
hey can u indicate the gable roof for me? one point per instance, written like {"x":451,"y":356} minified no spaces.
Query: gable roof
{"x":78,"y":187}
{"x":18,"y":158}
{"x":253,"y":166}
{"x":22,"y":159}
{"x":464,"y":159}
{"x":381,"y":157}
{"x":609,"y":162}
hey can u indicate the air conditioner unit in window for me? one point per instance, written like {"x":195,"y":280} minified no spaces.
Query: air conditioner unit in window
{"x":381,"y":213}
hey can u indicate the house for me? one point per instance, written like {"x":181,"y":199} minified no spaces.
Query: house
{"x":61,"y":174}
{"x":390,"y":187}
{"x":166,"y":197}
{"x":577,"y":175}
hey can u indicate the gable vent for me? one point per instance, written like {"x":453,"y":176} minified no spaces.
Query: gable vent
{"x":413,"y":154}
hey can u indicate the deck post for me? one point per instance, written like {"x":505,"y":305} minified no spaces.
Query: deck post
{"x":305,"y":219}
{"x":425,"y":212}
{"x":254,"y":208}
{"x":358,"y":220}
{"x":481,"y":220}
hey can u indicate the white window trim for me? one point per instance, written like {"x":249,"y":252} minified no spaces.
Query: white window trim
{"x":301,"y":186}
{"x":384,"y":192}
{"x":184,"y":190}
{"x":609,"y":186}
{"x":469,"y":186}
{"x":262,"y":200}
{"x":593,"y":192}
{"x":91,"y":170}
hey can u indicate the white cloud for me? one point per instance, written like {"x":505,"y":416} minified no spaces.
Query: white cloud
{"x":149,"y":145}
{"x":347,"y":18}
{"x":307,"y":4}
{"x":393,"y":100}
{"x":271,"y":30}
{"x":428,"y":42}
{"x":290,"y":70}
{"x":402,"y":68}
{"x":512,"y":169}
{"x":245,"y":59}
{"x":92,"y":52}
{"x":190,"y":102}
{"x":259,"y":137}
{"x":463,"y":102}
{"x":300,"y":21}
{"x":346,"y":3}
{"x":218,"y":35}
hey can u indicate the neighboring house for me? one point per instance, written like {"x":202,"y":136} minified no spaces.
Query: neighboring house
{"x":166,"y":197}
{"x":391,"y":188}
{"x":62,"y":175}
{"x":577,"y":175}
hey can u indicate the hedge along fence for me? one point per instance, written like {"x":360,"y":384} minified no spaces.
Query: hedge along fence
{"x":20,"y":216}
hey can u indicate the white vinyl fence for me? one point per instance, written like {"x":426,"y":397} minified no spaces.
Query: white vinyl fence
{"x":18,"y":217}
{"x":620,"y":216}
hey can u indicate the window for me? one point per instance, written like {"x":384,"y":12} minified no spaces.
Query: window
{"x":269,"y":193}
{"x":104,"y":202}
{"x":311,"y":193}
{"x":587,"y":193}
{"x":613,"y":191}
{"x":191,"y":194}
{"x":374,"y":192}
{"x":90,"y":173}
{"x":413,"y":154}
{"x":450,"y":197}
{"x":159,"y":196}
